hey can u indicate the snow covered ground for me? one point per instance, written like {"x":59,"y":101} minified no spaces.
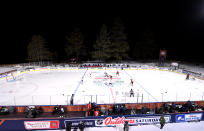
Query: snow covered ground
{"x":55,"y":87}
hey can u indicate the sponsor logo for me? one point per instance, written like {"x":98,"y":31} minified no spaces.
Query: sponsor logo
{"x":41,"y":124}
{"x":99,"y":122}
{"x":188,"y":117}
{"x":75,"y":123}
{"x":118,"y":120}
{"x":109,"y":121}
{"x":180,"y":118}
{"x":193,"y":117}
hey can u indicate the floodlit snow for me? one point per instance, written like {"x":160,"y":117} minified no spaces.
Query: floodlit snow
{"x":55,"y":87}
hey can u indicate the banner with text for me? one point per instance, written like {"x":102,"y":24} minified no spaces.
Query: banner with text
{"x":109,"y":121}
{"x":189,"y":117}
{"x":33,"y":125}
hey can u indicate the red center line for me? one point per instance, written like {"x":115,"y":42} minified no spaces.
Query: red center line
{"x":112,"y":95}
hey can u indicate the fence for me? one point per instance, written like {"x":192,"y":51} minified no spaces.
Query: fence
{"x":65,"y":100}
{"x":84,"y":99}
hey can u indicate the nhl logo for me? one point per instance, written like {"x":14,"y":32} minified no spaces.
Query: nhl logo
{"x":99,"y":122}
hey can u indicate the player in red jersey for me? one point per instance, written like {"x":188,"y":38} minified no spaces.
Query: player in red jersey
{"x":187,"y":76}
{"x":89,"y":108}
{"x":131,"y":81}
{"x":117,"y":73}
{"x":111,"y":77}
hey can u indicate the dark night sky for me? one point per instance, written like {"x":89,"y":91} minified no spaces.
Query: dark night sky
{"x":178,"y":26}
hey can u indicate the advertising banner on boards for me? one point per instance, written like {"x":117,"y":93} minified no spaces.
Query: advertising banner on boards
{"x":189,"y":117}
{"x":33,"y":125}
{"x":109,"y":121}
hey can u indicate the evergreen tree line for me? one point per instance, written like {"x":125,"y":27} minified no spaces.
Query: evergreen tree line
{"x":110,"y":44}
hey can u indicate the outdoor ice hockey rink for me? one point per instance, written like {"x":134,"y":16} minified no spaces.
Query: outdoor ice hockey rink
{"x":46,"y":86}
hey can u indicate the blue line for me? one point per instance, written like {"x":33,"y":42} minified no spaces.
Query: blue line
{"x":142,"y":87}
{"x":80,"y":82}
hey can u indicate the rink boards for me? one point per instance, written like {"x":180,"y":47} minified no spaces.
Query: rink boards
{"x":102,"y":121}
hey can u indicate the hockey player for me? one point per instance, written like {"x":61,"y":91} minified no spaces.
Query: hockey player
{"x":131,"y":93}
{"x":117,"y":73}
{"x":111,"y":77}
{"x":106,"y":74}
{"x":110,"y":84}
{"x":89,"y":108}
{"x":187,"y":76}
{"x":131,"y":81}
{"x":72,"y":100}
{"x":90,"y":75}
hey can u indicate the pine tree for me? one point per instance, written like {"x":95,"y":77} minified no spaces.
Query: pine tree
{"x":119,"y":42}
{"x":37,"y":49}
{"x":75,"y":46}
{"x":102,"y":46}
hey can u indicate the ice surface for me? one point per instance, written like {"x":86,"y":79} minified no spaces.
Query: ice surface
{"x":55,"y":87}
